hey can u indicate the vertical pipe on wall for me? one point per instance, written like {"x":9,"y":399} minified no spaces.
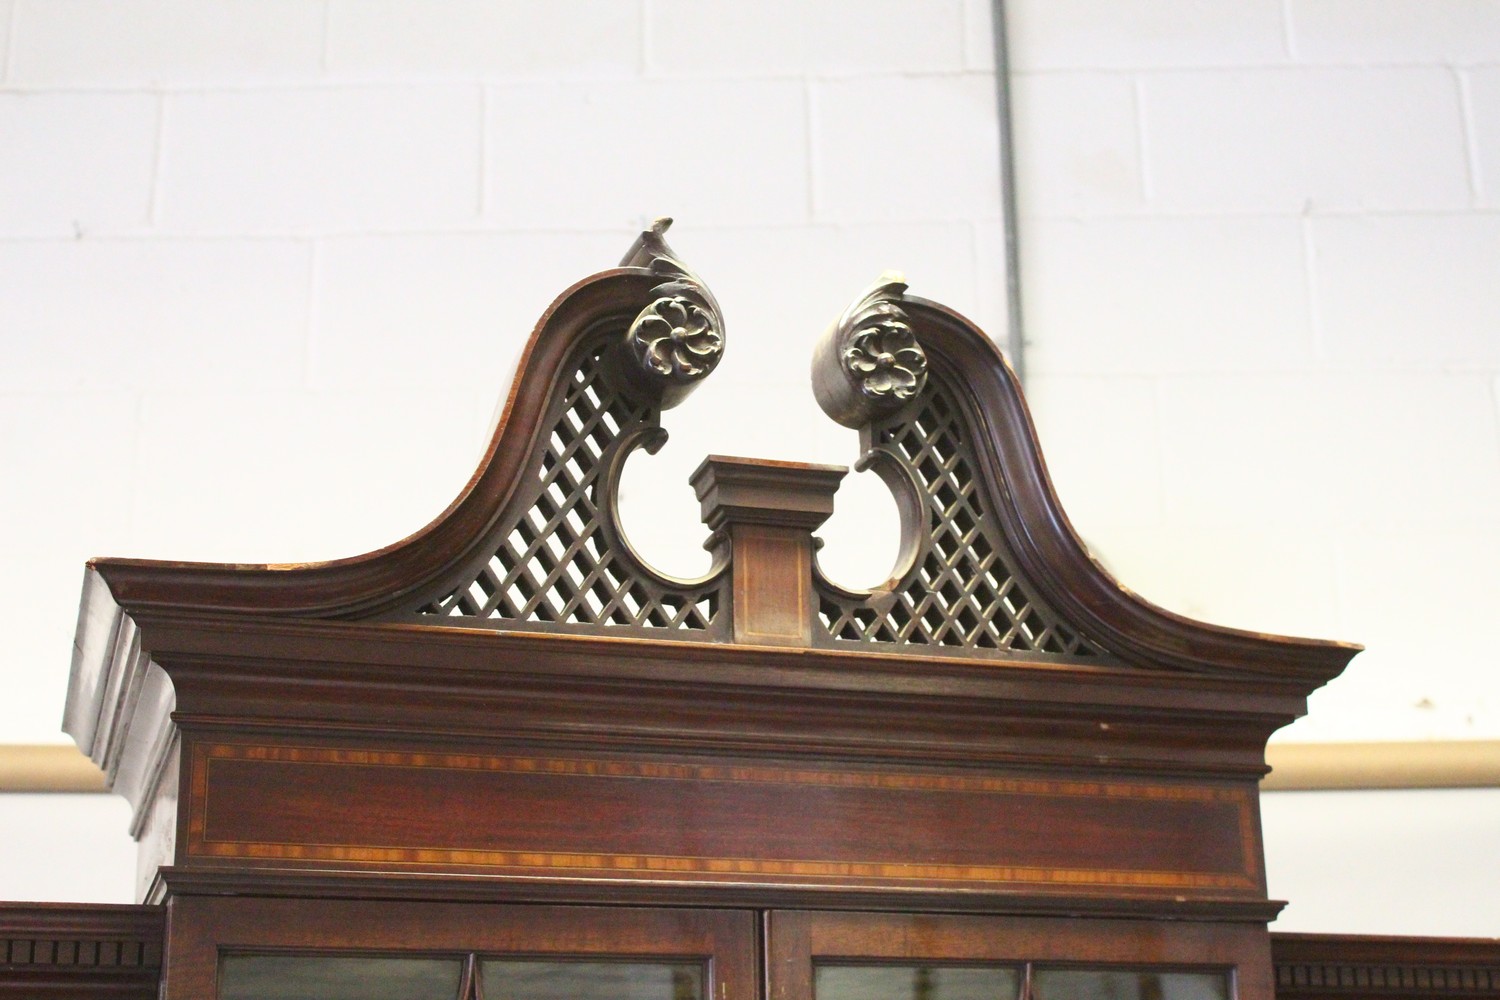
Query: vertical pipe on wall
{"x":1015,"y":340}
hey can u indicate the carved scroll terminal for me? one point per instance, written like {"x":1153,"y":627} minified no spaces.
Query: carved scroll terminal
{"x":869,"y":363}
{"x":678,"y":338}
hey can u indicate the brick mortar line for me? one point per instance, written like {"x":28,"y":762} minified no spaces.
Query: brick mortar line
{"x":460,"y":81}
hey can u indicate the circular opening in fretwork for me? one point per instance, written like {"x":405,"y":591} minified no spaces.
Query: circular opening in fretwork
{"x":659,"y":514}
{"x":862,"y":540}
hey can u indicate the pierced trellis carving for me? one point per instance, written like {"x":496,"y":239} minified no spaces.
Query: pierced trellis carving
{"x":557,"y":557}
{"x":955,"y":585}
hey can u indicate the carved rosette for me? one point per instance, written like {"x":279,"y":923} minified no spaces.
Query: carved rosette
{"x":869,"y":363}
{"x":884,"y":358}
{"x":678,"y":338}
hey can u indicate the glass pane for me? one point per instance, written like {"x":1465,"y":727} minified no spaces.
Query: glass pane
{"x":915,"y":982}
{"x":1129,"y":984}
{"x":325,"y":977}
{"x":511,"y":980}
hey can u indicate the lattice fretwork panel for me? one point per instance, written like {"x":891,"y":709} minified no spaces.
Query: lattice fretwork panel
{"x":961,"y":592}
{"x":554,"y":563}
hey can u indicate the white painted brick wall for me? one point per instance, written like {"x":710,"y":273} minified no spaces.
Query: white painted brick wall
{"x":465,"y":39}
{"x":254,"y":253}
{"x":1083,"y":148}
{"x":429,"y":312}
{"x":76,"y":164}
{"x":135,"y":43}
{"x":877,"y":141}
{"x":1249,"y":450}
{"x":288,"y":239}
{"x":66,"y":494}
{"x":979,"y":36}
{"x":176,"y":313}
{"x":1291,"y":235}
{"x":314,"y":160}
{"x":1140,"y":294}
{"x":1416,"y":450}
{"x":1083,"y":450}
{"x":1450,"y":567}
{"x":571,"y":156}
{"x":1409,"y":290}
{"x":1334,"y":451}
{"x":60,"y":508}
{"x":694,"y":38}
{"x":1394,"y":31}
{"x":1203,"y":569}
{"x":1136,"y":34}
{"x":1281,"y":140}
{"x":277,"y":487}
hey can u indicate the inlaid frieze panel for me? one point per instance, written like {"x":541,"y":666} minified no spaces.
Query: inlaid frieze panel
{"x":658,"y":818}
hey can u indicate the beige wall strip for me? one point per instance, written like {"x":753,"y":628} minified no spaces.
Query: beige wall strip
{"x":46,"y":768}
{"x":1438,"y":764}
{"x":1295,"y":766}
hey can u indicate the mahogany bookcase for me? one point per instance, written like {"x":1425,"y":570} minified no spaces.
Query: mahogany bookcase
{"x":507,"y":758}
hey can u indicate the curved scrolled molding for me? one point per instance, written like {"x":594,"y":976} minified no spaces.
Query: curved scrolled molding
{"x":1051,"y":556}
{"x":581,"y":400}
{"x":602,"y":314}
{"x":367,"y":583}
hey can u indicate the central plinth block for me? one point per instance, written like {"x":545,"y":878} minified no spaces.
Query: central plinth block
{"x":762,"y":514}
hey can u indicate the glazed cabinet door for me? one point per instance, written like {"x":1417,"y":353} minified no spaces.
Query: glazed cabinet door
{"x":282,"y":949}
{"x":873,"y":956}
